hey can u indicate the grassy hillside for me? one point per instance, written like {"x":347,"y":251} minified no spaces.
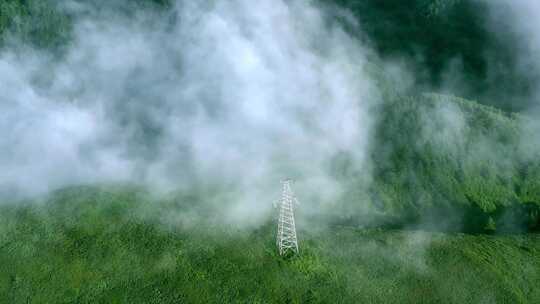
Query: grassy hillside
{"x":437,"y":164}
{"x":103,"y":245}
{"x":442,"y":162}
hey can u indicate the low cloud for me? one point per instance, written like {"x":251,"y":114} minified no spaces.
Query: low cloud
{"x":234,"y":95}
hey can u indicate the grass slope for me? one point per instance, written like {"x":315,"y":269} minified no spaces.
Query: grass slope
{"x":102,"y":245}
{"x":449,"y":163}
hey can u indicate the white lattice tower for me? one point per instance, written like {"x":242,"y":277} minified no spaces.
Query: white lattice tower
{"x":286,"y":235}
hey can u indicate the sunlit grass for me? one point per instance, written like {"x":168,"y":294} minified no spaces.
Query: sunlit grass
{"x":100,"y":248}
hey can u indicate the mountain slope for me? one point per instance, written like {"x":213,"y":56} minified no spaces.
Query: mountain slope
{"x":91,"y":244}
{"x":447,"y":163}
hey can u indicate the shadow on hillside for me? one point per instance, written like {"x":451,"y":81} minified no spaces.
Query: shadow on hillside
{"x":515,"y":219}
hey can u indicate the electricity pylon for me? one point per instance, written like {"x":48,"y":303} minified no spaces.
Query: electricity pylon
{"x":286,"y":235}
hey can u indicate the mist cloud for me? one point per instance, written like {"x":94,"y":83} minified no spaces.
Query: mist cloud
{"x":521,"y":18}
{"x":237,"y":94}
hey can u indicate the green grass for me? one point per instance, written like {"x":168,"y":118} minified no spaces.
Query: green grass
{"x":105,"y":245}
{"x":443,"y":158}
